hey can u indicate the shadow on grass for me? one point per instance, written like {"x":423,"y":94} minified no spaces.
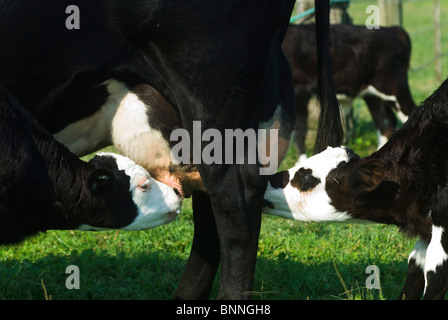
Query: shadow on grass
{"x":101,"y":276}
{"x":155,"y":276}
{"x":326,"y":280}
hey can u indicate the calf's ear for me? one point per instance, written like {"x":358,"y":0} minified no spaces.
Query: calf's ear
{"x":367,"y":176}
{"x":100,"y":181}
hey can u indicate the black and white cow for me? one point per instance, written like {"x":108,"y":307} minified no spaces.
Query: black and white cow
{"x":133,"y":66}
{"x":44,"y":186}
{"x":372,"y":64}
{"x":405,"y":183}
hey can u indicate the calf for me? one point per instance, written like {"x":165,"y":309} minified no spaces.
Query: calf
{"x":44,"y":186}
{"x":371,"y":64}
{"x":404,"y":183}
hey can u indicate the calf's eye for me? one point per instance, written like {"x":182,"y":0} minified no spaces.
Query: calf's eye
{"x":143,"y":185}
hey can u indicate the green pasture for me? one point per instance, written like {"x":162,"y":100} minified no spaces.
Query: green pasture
{"x":295,"y":260}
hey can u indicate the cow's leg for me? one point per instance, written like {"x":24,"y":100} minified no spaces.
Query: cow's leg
{"x":236,"y":198}
{"x":436,"y":265}
{"x":399,"y":88}
{"x":347,"y":111}
{"x":383,"y":117}
{"x":301,"y":127}
{"x":415,"y":280}
{"x":204,"y":258}
{"x":404,"y":97}
{"x":396,"y":91}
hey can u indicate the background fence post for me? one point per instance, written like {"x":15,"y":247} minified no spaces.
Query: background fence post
{"x":338,"y":12}
{"x":390,"y":12}
{"x":302,"y":6}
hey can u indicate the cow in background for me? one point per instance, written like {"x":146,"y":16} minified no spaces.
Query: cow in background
{"x":372,"y":64}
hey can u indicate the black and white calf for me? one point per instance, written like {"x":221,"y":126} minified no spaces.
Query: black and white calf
{"x":44,"y":186}
{"x":405,"y":183}
{"x":372,"y":64}
{"x":299,"y":193}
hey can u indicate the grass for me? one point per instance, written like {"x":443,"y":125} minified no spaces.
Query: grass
{"x":295,"y":260}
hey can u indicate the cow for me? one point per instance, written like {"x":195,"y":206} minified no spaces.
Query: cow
{"x":403,"y":184}
{"x":372,"y":64}
{"x":132,"y":66}
{"x":44,"y":186}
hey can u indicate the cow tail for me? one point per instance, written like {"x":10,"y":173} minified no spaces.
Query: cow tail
{"x":329,"y":131}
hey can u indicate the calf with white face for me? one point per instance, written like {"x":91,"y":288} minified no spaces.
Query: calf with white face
{"x":405,"y":183}
{"x":300,"y":192}
{"x":156,"y":203}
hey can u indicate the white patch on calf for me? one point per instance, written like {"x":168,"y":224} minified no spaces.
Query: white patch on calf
{"x":418,"y":254}
{"x":311,"y":205}
{"x":374,"y":91}
{"x":403,"y":118}
{"x":157,"y":204}
{"x":435,"y":254}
